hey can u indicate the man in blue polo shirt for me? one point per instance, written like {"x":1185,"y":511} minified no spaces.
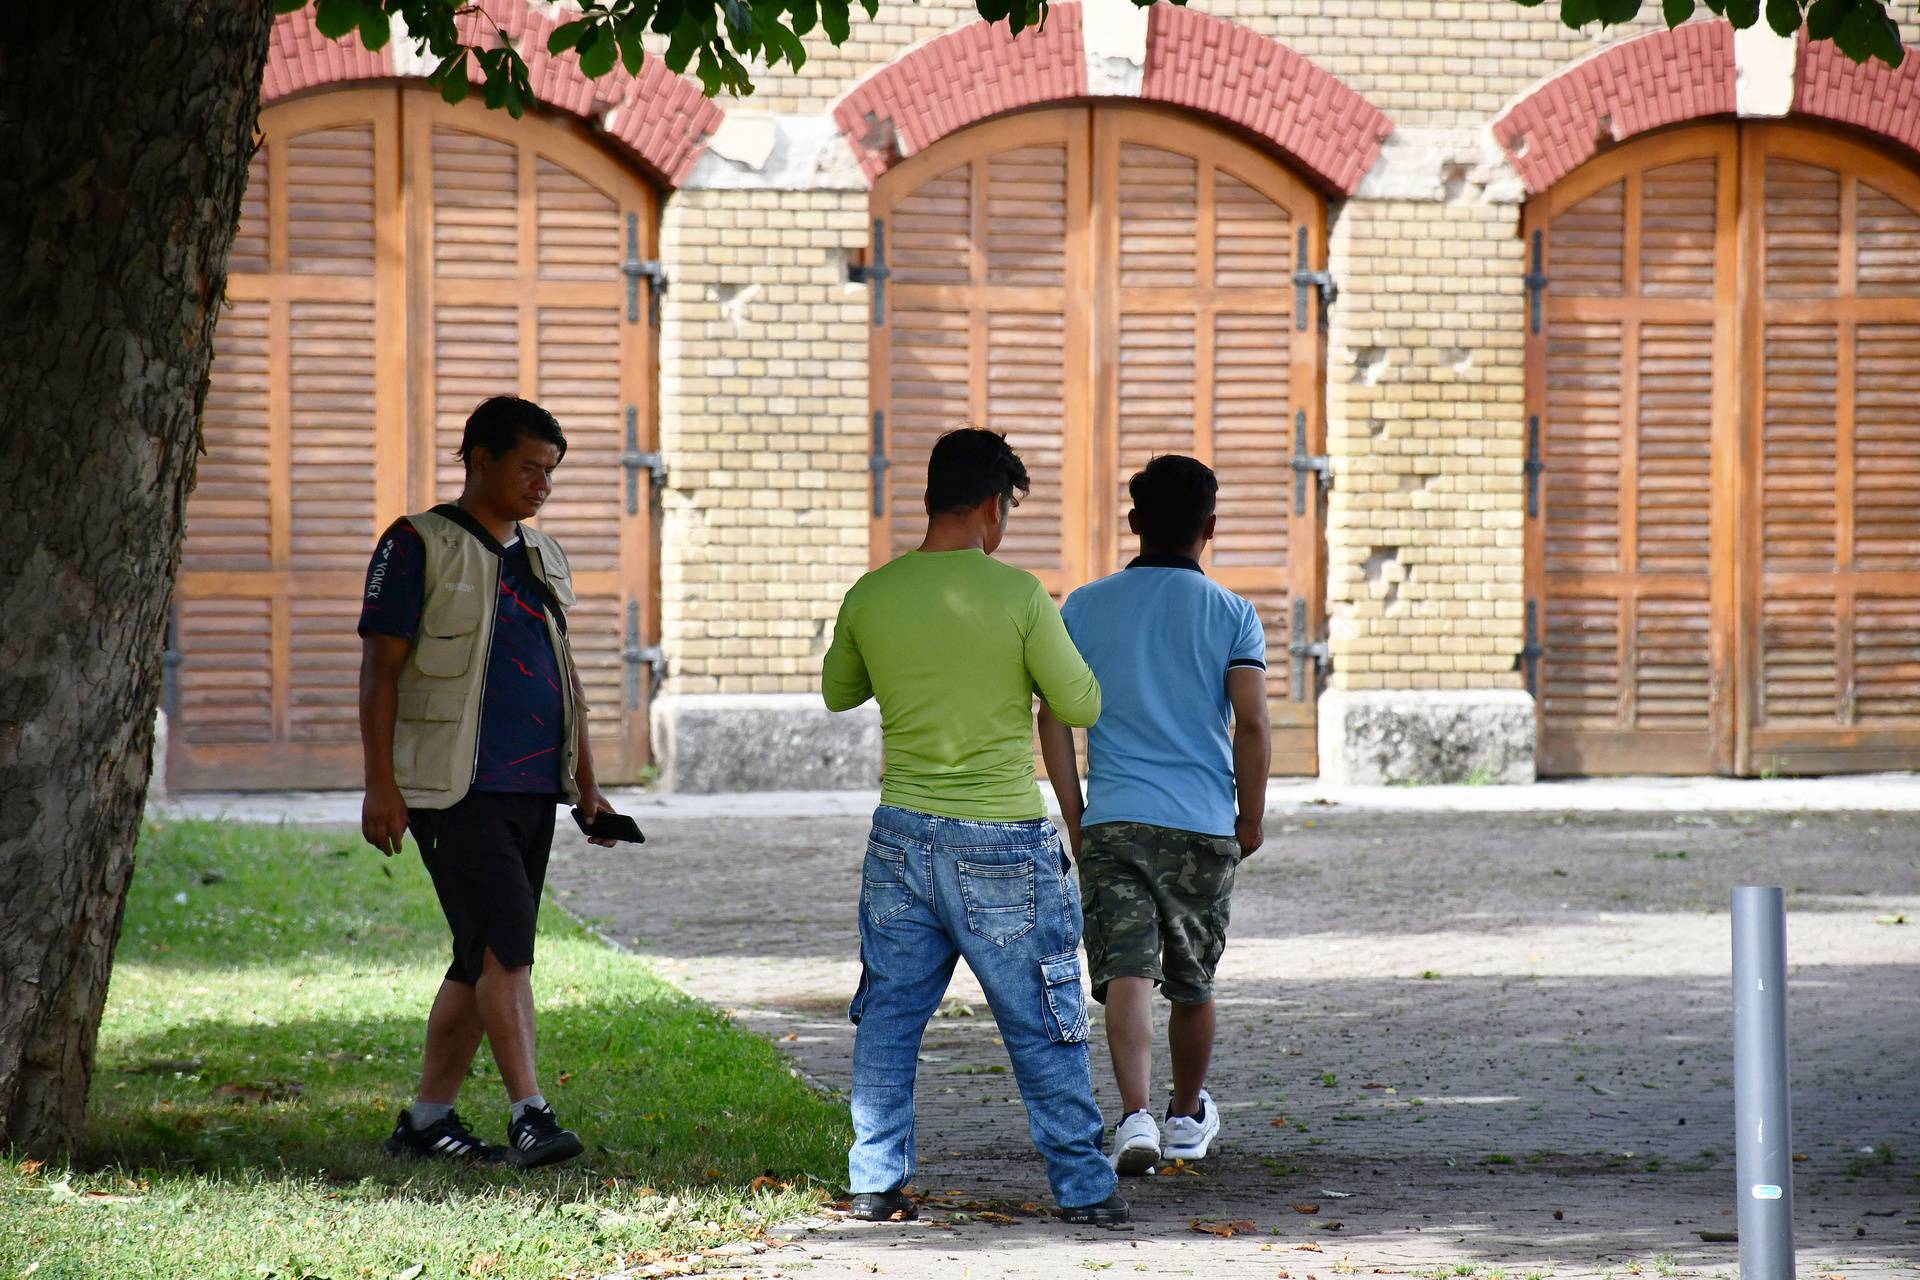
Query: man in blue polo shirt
{"x":1177,"y":772}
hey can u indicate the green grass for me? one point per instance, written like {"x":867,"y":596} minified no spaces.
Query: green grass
{"x":296,"y":973}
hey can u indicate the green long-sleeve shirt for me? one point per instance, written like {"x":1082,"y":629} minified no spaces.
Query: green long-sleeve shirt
{"x":954,"y":644}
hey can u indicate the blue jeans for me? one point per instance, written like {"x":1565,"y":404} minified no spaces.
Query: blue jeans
{"x":1000,"y":894}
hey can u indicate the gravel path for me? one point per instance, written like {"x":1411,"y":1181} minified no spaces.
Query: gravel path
{"x":1448,"y":1040}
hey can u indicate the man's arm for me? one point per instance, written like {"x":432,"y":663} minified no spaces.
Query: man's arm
{"x":844,"y":681}
{"x":383,"y":814}
{"x":1065,"y":682}
{"x":1252,"y":752}
{"x":592,"y":803}
{"x":1063,"y":771}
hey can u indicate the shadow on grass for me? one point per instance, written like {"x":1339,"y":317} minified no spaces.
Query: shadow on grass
{"x":659,"y":1089}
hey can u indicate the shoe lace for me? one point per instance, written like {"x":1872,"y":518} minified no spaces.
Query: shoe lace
{"x":457,"y":1129}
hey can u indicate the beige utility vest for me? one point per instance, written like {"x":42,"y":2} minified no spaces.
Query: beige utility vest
{"x":436,"y":734}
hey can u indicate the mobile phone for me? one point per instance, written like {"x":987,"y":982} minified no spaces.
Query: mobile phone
{"x":610,"y":826}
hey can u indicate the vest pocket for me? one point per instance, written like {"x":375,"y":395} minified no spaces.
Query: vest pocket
{"x":449,"y":633}
{"x":425,"y":726}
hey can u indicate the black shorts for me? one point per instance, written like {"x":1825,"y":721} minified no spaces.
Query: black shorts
{"x":488,"y":859}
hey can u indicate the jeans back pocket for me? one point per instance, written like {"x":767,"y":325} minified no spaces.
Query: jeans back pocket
{"x":999,"y":898}
{"x":883,"y":883}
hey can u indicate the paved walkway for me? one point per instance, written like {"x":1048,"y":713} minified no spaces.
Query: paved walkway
{"x":1449,"y":1040}
{"x":1462,"y":1028}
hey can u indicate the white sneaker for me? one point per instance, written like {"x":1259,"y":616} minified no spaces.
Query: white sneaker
{"x":1188,"y":1138}
{"x":1136,"y":1145}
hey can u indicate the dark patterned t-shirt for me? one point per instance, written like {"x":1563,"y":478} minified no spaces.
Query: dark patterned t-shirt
{"x":522,"y":712}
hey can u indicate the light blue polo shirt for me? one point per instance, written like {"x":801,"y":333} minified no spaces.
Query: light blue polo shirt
{"x":1160,"y":636}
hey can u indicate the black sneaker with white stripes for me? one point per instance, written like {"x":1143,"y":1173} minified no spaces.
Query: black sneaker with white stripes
{"x":447,"y":1138}
{"x":536,"y":1140}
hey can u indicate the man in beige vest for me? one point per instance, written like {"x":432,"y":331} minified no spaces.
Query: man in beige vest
{"x":473,"y":728}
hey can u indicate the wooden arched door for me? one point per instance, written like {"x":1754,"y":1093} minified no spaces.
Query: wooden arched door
{"x":1103,"y":284}
{"x":398,"y":260}
{"x":1724,"y":489}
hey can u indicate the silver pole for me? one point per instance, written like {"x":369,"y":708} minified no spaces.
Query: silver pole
{"x":1763,"y":1143}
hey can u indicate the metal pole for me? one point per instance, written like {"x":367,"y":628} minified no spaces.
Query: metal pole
{"x":1763,"y":1144}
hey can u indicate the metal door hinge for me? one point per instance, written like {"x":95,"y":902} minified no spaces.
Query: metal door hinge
{"x":170,"y":667}
{"x":879,"y":464}
{"x":1531,"y":651}
{"x":875,"y":273}
{"x":636,"y":655}
{"x":1305,"y":464}
{"x":636,"y":269}
{"x":1536,"y":279}
{"x":1534,"y":466}
{"x":1304,"y":652}
{"x":1305,"y":278}
{"x":636,"y":460}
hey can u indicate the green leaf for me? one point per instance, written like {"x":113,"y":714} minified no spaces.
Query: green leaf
{"x":631,"y":32}
{"x":375,"y":29}
{"x":288,"y":6}
{"x":739,"y":17}
{"x":1856,"y":34}
{"x":598,"y":49}
{"x":451,"y":76}
{"x":1824,"y":18}
{"x":1717,"y":6}
{"x":1783,"y":16}
{"x":334,"y":18}
{"x":1578,"y":13}
{"x":1615,"y":12}
{"x":1743,"y":13}
{"x":833,"y":19}
{"x":1886,"y":43}
{"x":1676,"y":11}
{"x":568,"y":35}
{"x":709,"y":70}
{"x":1530,"y":4}
{"x":667,"y":16}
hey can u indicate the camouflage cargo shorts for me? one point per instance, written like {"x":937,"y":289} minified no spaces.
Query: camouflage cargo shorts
{"x":1156,"y":903}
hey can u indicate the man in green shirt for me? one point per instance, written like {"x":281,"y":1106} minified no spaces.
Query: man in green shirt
{"x":962,"y":860}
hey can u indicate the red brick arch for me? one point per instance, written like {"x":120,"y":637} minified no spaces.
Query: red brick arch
{"x":1668,"y":77}
{"x":661,"y":119}
{"x":1202,"y":63}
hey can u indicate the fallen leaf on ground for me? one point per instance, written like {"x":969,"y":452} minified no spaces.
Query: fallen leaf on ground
{"x":1280,"y":1122}
{"x":765,"y":1182}
{"x":1001,"y":1218}
{"x":258,"y":1094}
{"x":1374,"y":1084}
{"x":483,"y":1264}
{"x":1308,"y":1247}
{"x":30,"y":1167}
{"x":1225,"y":1230}
{"x":1306,"y":1208}
{"x":1331,"y":1194}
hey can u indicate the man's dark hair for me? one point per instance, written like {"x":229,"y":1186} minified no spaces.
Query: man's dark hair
{"x":1172,"y":498}
{"x":969,"y":466}
{"x":500,"y":421}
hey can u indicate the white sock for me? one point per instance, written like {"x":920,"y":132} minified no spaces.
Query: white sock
{"x":534,"y":1102}
{"x":424,"y":1115}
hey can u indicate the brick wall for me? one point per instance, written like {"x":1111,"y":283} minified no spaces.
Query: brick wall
{"x":1425,"y":424}
{"x":763,"y":408}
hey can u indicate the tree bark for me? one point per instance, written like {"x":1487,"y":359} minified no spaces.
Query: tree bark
{"x":129,"y":124}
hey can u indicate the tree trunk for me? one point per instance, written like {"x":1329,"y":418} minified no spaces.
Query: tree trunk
{"x":129,"y":124}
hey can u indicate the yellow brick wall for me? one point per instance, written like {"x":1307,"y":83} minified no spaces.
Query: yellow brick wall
{"x":763,"y":370}
{"x":1425,"y":424}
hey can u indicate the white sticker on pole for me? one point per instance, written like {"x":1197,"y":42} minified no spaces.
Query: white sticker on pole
{"x":1766,"y":1191}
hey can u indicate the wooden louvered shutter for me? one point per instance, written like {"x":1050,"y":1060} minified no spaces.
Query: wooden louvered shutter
{"x":518,"y":235}
{"x":305,"y":455}
{"x":1631,"y":405}
{"x":1832,"y":670}
{"x":984,"y":324}
{"x":1203,"y":353}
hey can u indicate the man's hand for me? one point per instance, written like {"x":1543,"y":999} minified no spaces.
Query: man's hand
{"x":1072,"y":825}
{"x":383,"y":818}
{"x":592,"y":805}
{"x":1251,"y":832}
